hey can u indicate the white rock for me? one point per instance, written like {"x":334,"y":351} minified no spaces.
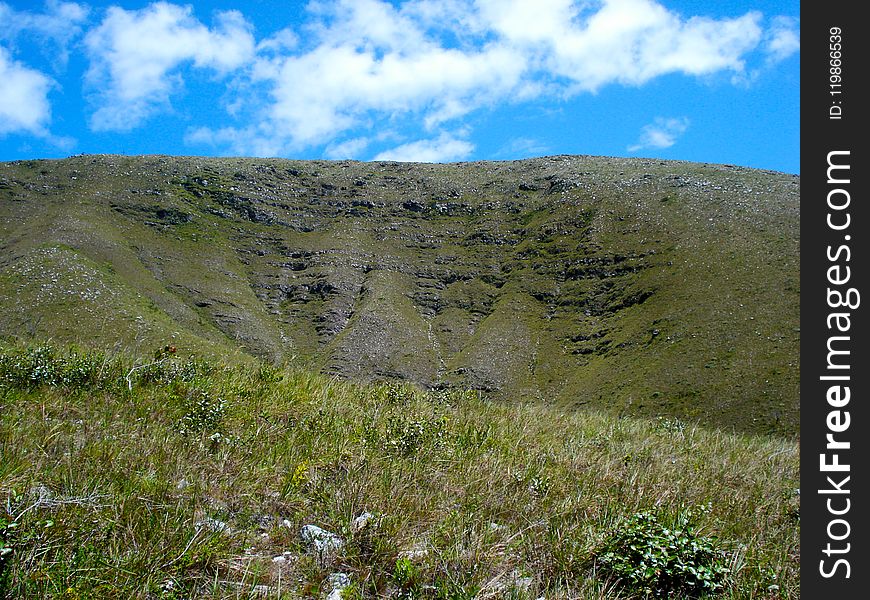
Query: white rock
{"x":362,"y":521}
{"x":212,"y":524}
{"x":416,"y":553}
{"x":338,"y":581}
{"x":320,"y":541}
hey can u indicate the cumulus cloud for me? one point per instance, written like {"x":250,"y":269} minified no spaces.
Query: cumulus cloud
{"x":322,"y":93}
{"x":370,"y":57}
{"x":352,"y":148}
{"x":358,"y":67}
{"x":444,"y":148}
{"x":428,"y":63}
{"x":591,"y":45}
{"x":24,"y":105}
{"x":58,"y":25}
{"x":135,"y":57}
{"x":284,"y":40}
{"x":783,"y":38}
{"x":661,"y":133}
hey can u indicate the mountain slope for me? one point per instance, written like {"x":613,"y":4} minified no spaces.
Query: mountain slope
{"x":641,"y":287}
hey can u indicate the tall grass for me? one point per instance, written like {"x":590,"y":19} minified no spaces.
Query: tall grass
{"x":192,"y":480}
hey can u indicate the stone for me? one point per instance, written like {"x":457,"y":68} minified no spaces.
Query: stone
{"x":338,"y":582}
{"x":213,"y":524}
{"x":362,"y":521}
{"x":321,"y":542}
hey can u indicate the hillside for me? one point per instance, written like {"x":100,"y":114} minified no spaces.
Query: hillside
{"x":186,"y":479}
{"x":637,"y":287}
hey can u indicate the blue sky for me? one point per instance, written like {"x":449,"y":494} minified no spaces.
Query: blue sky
{"x":422,"y":80}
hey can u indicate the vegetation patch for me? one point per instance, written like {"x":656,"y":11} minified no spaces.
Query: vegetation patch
{"x":653,"y":555}
{"x":166,"y":477}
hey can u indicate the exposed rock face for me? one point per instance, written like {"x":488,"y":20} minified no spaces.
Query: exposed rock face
{"x":639,"y":286}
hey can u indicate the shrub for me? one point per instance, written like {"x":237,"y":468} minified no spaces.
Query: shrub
{"x":396,"y":393}
{"x":652,"y":558}
{"x":169,"y":369}
{"x":43,"y":365}
{"x":203,"y":413}
{"x":407,"y":577}
{"x":404,"y":436}
{"x":452,"y":396}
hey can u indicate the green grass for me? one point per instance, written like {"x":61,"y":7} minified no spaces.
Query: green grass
{"x":165,"y":477}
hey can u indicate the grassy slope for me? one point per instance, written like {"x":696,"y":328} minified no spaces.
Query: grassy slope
{"x":190,"y":482}
{"x":636,"y":287}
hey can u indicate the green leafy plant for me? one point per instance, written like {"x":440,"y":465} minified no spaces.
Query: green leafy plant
{"x":651,"y":556}
{"x":404,"y":436}
{"x":397,"y":394}
{"x":167,"y":368}
{"x":44,"y":365}
{"x":406,"y":575}
{"x":204,"y":413}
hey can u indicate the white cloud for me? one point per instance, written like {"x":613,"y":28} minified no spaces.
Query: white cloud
{"x":783,"y":39}
{"x":376,"y":23}
{"x":359,"y":67}
{"x":24,"y":105}
{"x":327,"y":91}
{"x":458,"y":18}
{"x":433,"y":62}
{"x":545,"y":21}
{"x":523,"y":147}
{"x":286,"y":39}
{"x":59,"y":24}
{"x":372,"y":62}
{"x":248,"y":141}
{"x":619,"y":41}
{"x":371,"y":57}
{"x":352,"y":148}
{"x":444,"y":148}
{"x":661,"y":133}
{"x":135,"y":57}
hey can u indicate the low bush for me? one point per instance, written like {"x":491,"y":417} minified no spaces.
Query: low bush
{"x":44,"y":365}
{"x":658,"y":557}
